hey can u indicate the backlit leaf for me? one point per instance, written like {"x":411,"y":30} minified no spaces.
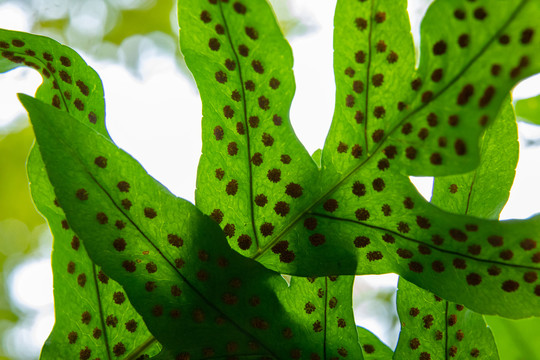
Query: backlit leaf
{"x":68,"y":83}
{"x":198,"y":297}
{"x":432,"y":328}
{"x":104,"y":325}
{"x":94,"y":318}
{"x":528,"y":110}
{"x":351,"y":209}
{"x":484,"y":191}
{"x":516,"y":339}
{"x":360,"y":213}
{"x":372,"y":347}
{"x":252,"y":164}
{"x":448,"y":329}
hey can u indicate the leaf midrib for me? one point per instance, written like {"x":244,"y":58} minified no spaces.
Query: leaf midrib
{"x":367,"y":78}
{"x":100,"y":306}
{"x":428,"y":244}
{"x":354,"y":170}
{"x":325,"y":314}
{"x":246,"y":125}
{"x":184,"y":279}
{"x":446,"y":330}
{"x":94,"y":275}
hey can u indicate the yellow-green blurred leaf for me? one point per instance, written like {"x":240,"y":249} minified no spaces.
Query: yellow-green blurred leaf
{"x":142,"y":21}
{"x":16,"y":201}
{"x":516,"y":339}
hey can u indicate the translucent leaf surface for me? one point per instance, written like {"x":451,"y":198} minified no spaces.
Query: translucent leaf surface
{"x":68,"y":83}
{"x":516,"y":339}
{"x":484,"y":191}
{"x":352,"y":210}
{"x":372,"y":347}
{"x":448,"y":329}
{"x":529,"y":110}
{"x":360,"y":213}
{"x":94,"y":318}
{"x":104,"y":324}
{"x":432,"y":328}
{"x":252,"y":164}
{"x":197,"y":296}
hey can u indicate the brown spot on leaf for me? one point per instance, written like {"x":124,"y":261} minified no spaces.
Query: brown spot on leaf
{"x":214,"y":44}
{"x":274,"y":175}
{"x":232,"y":148}
{"x":473,"y":279}
{"x":244,"y":242}
{"x":410,"y":153}
{"x":526,"y":36}
{"x":232,"y":187}
{"x":510,"y":285}
{"x":317,"y":239}
{"x":362,"y":214}
{"x":437,"y":75}
{"x":261,"y":200}
{"x":528,"y":244}
{"x":150,"y":213}
{"x":101,"y":162}
{"x":439,"y":48}
{"x":361,"y":241}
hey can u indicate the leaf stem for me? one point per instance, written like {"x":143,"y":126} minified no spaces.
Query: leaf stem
{"x":138,"y":351}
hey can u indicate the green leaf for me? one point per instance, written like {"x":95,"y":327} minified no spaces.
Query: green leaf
{"x":316,"y":156}
{"x":16,"y":200}
{"x":68,"y":82}
{"x":528,"y":110}
{"x":484,"y":191}
{"x":252,"y":164}
{"x":373,"y":58}
{"x":516,"y":339}
{"x":331,"y":296}
{"x":432,"y":328}
{"x":360,"y":213}
{"x":196,"y":295}
{"x":372,"y":347}
{"x":93,"y":315}
{"x":105,"y":324}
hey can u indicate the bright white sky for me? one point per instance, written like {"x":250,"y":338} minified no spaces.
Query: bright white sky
{"x":156,"y":118}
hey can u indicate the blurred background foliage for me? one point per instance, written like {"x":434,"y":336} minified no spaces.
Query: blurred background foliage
{"x":122,"y":32}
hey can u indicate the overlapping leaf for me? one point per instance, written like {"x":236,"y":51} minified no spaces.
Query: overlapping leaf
{"x":436,"y":327}
{"x":528,"y":110}
{"x":432,"y":328}
{"x":93,"y":315}
{"x":372,"y":347}
{"x":516,"y":339}
{"x":198,"y":296}
{"x":484,"y":191}
{"x":360,"y":213}
{"x":252,"y":164}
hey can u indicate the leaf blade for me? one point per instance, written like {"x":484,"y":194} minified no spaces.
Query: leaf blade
{"x":479,"y":36}
{"x":181,"y":263}
{"x":484,"y":191}
{"x":81,"y":328}
{"x":527,"y":109}
{"x":475,"y":185}
{"x":375,"y":203}
{"x":373,"y":51}
{"x":246,"y":87}
{"x":440,"y":329}
{"x":372,"y":347}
